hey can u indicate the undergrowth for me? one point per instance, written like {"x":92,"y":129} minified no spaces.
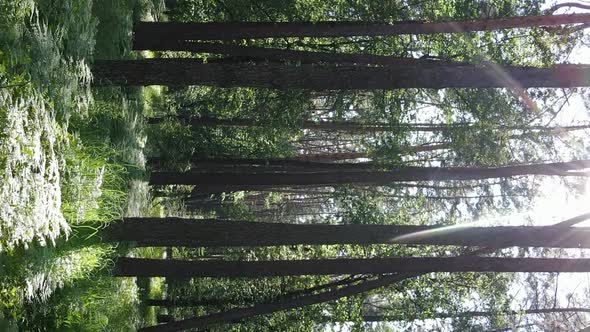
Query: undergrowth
{"x":68,"y":155}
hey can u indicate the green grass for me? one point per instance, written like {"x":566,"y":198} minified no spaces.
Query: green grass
{"x":69,"y":155}
{"x":149,"y":288}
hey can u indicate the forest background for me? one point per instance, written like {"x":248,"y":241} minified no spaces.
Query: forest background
{"x":76,"y":157}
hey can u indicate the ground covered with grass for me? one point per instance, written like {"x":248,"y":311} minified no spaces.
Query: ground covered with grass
{"x":71,"y":160}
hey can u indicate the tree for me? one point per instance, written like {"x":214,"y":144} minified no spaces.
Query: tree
{"x":147,"y":34}
{"x":390,"y":318}
{"x":220,"y":233}
{"x":239,"y":181}
{"x":217,"y":301}
{"x":144,"y":267}
{"x":238,"y":314}
{"x":176,"y":72}
{"x":302,"y":161}
{"x":361,"y":127}
{"x":239,"y":53}
{"x":169,"y":303}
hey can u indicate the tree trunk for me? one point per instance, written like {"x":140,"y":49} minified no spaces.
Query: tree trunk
{"x":147,"y":33}
{"x":512,"y":328}
{"x":344,"y":126}
{"x":237,"y":314}
{"x":248,"y":181}
{"x":573,"y":221}
{"x":454,"y":198}
{"x":145,"y":267}
{"x":331,"y":157}
{"x":427,"y":147}
{"x":306,"y":162}
{"x":301,"y":162}
{"x":176,"y":72}
{"x":248,"y":53}
{"x":392,"y":318}
{"x":360,"y":127}
{"x":221,"y":233}
{"x":170,"y":4}
{"x":170,"y":303}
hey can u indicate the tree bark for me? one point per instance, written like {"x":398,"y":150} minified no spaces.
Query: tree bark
{"x":573,"y":221}
{"x":360,"y":127}
{"x":301,"y":163}
{"x":237,"y":314}
{"x":175,"y":72}
{"x":331,"y":157}
{"x":145,"y":267}
{"x":306,"y":161}
{"x":512,"y":328}
{"x":221,"y":233}
{"x":391,"y":318}
{"x":455,"y":197}
{"x":170,"y":4}
{"x":170,"y":303}
{"x":344,"y":126}
{"x":273,"y":54}
{"x":248,"y":181}
{"x":145,"y":33}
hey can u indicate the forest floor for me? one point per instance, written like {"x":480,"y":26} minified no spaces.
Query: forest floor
{"x":71,"y":160}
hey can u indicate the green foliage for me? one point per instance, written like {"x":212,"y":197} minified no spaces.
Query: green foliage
{"x":75,"y":23}
{"x":96,"y":303}
{"x":361,"y":207}
{"x":72,"y":153}
{"x":277,"y":111}
{"x":114,"y":25}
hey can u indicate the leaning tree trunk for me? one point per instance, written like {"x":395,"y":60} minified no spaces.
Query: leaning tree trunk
{"x":238,"y":314}
{"x":145,"y":267}
{"x":247,"y":181}
{"x":146,"y":34}
{"x":176,"y":72}
{"x":171,"y":303}
{"x":220,"y":233}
